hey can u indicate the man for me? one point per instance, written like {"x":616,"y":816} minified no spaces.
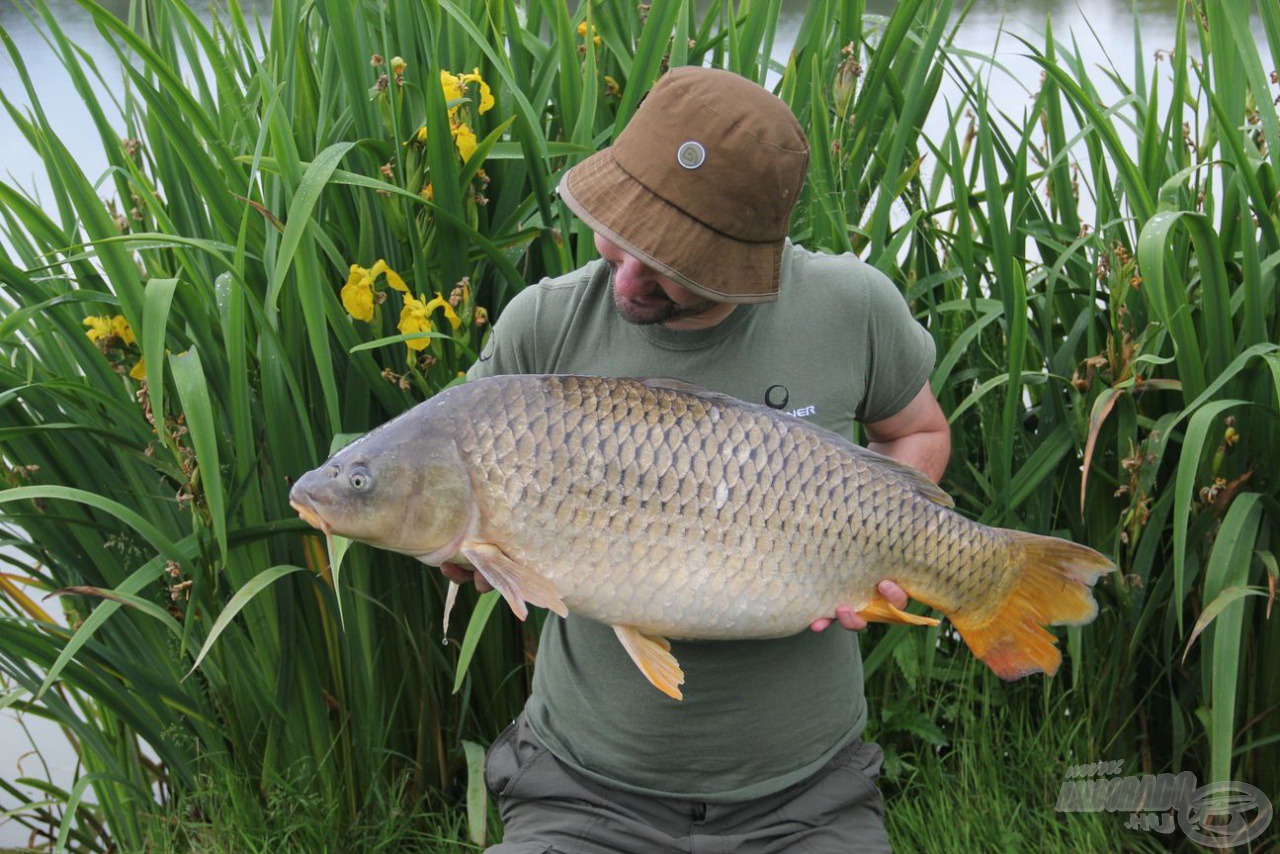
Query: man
{"x":698,"y":282}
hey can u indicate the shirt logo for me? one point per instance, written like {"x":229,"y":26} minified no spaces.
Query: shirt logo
{"x":777,"y":397}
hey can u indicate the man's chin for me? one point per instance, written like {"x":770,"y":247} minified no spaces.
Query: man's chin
{"x":648,"y":314}
{"x":644,"y":314}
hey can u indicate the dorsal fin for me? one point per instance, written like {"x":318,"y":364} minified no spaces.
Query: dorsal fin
{"x":915,"y":478}
{"x":691,"y":388}
{"x":670,"y":382}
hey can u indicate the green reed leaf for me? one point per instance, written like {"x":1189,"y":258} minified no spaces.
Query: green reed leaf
{"x":471,"y":640}
{"x":237,"y":602}
{"x":193,"y":389}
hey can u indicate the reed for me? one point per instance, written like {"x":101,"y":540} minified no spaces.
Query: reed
{"x":184,"y":333}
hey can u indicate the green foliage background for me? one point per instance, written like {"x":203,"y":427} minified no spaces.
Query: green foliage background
{"x":1113,"y":379}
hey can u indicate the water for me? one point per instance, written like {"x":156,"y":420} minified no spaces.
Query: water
{"x":1103,"y":28}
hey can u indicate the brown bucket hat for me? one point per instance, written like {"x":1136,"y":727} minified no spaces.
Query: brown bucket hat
{"x":700,"y":184}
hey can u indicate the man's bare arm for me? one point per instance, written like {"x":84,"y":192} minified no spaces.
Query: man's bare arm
{"x":918,"y":435}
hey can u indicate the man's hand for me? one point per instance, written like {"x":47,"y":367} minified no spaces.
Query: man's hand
{"x":462,"y":575}
{"x":850,"y":619}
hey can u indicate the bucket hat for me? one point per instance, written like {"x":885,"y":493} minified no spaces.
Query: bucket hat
{"x":700,"y":184}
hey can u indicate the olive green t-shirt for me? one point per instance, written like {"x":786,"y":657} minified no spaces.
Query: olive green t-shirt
{"x":839,"y":345}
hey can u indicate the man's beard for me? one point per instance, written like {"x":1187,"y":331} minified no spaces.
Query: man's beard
{"x":658,"y":308}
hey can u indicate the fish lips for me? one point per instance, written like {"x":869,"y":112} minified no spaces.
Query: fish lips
{"x":300,"y":501}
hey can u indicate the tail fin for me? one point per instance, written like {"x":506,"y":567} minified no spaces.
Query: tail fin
{"x":1052,"y":588}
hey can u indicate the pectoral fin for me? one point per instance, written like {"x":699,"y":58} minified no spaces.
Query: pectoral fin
{"x":519,"y":585}
{"x":878,"y":610}
{"x":653,"y":656}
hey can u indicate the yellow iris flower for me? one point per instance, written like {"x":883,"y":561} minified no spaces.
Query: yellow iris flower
{"x":393,"y":278}
{"x":453,"y":90}
{"x":449,"y":313}
{"x":99,"y":328}
{"x":454,"y":87}
{"x":486,"y":96}
{"x":465,"y":140}
{"x":357,"y":293}
{"x":122,"y":328}
{"x":415,"y":317}
{"x":106,"y":327}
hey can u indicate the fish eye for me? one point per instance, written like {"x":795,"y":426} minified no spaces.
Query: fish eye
{"x":360,"y":479}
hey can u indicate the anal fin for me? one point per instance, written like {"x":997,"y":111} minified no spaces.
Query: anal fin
{"x":878,"y":610}
{"x":653,"y":656}
{"x":518,"y":584}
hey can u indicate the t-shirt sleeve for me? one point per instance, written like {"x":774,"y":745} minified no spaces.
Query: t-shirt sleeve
{"x":900,"y":352}
{"x":511,"y":345}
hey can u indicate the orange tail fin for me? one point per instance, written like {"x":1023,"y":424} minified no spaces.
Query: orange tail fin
{"x":1054,"y":577}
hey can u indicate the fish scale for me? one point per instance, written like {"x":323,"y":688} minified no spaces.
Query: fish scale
{"x":672,"y":512}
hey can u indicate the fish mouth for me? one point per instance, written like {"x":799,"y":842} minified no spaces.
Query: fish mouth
{"x":310,"y":516}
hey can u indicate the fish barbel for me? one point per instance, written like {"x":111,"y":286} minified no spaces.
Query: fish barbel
{"x":667,"y":511}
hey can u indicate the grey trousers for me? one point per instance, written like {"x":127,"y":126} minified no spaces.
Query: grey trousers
{"x":548,"y":808}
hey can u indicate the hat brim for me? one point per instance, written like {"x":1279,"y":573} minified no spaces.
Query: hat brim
{"x":645,"y":225}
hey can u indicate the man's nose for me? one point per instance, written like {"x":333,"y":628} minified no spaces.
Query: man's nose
{"x":634,"y":275}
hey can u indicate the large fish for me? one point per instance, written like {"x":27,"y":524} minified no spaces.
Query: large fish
{"x":667,"y":511}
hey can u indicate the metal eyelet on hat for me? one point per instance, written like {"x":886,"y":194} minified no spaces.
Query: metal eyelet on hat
{"x":691,"y":154}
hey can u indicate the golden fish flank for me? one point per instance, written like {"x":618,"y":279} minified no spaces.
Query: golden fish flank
{"x":670,"y":512}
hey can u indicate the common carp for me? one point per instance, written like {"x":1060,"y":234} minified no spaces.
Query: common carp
{"x":668,"y":511}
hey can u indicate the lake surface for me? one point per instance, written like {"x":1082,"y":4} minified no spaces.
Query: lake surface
{"x":1103,"y":29}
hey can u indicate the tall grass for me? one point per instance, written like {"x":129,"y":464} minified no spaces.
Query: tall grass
{"x":1111,"y":376}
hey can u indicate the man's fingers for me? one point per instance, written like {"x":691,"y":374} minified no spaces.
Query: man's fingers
{"x":850,"y":619}
{"x":845,"y":616}
{"x":893,"y":594}
{"x":456,"y":574}
{"x":462,"y":575}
